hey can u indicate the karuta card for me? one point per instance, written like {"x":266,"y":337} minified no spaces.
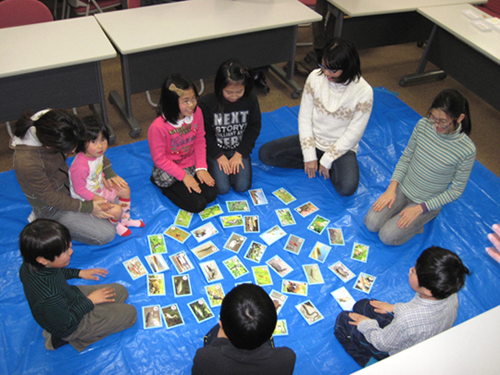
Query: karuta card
{"x":215,"y":294}
{"x":258,"y":197}
{"x":283,"y":195}
{"x":157,"y":263}
{"x":360,"y":252}
{"x":157,"y":244}
{"x":344,"y":299}
{"x":172,"y":316}
{"x":364,"y":283}
{"x":285,"y":217}
{"x":181,"y":262}
{"x":281,"y":328}
{"x":211,"y":271}
{"x":306,"y":209}
{"x":200,"y":310}
{"x":309,"y":312}
{"x":294,"y":244}
{"x":182,"y":286}
{"x":343,"y":273}
{"x":320,"y":251}
{"x":237,"y":206}
{"x":313,"y":274}
{"x":335,"y":236}
{"x":135,"y":268}
{"x":177,"y":234}
{"x":151,"y":317}
{"x":156,"y":285}
{"x":262,"y":275}
{"x":235,"y":242}
{"x":204,"y":232}
{"x":210,"y":212}
{"x":272,"y":235}
{"x":183,"y":218}
{"x":279,"y":300}
{"x":232,"y":221}
{"x":204,"y":250}
{"x":255,"y":251}
{"x":279,"y":266}
{"x":252,"y":224}
{"x":318,"y":225}
{"x":235,"y":267}
{"x":294,"y":287}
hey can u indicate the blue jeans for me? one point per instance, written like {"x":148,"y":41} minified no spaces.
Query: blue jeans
{"x":353,"y":341}
{"x":287,"y":153}
{"x":240,"y":182}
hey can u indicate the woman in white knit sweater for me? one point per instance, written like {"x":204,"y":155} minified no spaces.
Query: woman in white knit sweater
{"x":334,"y":111}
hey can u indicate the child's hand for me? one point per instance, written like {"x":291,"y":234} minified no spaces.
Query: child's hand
{"x":408,"y":216}
{"x":310,"y":168}
{"x":495,"y":240}
{"x":235,"y":162}
{"x":224,"y":164}
{"x":116,"y":183}
{"x":205,"y":177}
{"x":93,"y":273}
{"x":382,"y":307}
{"x":105,"y":206}
{"x":356,"y":319}
{"x":99,"y":213}
{"x":102,"y":295}
{"x":324,"y":172}
{"x":191,"y":183}
{"x":386,"y":199}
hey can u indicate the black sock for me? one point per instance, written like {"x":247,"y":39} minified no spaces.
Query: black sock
{"x":57,"y":342}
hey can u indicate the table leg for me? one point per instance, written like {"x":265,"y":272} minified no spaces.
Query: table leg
{"x":99,"y":110}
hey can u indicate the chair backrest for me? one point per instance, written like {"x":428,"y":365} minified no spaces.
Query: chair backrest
{"x":23,"y":12}
{"x":133,"y":3}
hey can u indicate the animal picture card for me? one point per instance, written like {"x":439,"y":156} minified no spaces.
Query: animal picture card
{"x":360,"y":252}
{"x":344,"y":299}
{"x":177,"y":234}
{"x":262,"y":275}
{"x":157,"y":263}
{"x":272,"y":235}
{"x":204,"y":250}
{"x":255,"y":251}
{"x":364,"y":283}
{"x":181,"y":262}
{"x":215,"y":294}
{"x":279,"y":266}
{"x":172,"y":316}
{"x":200,"y":310}
{"x":235,"y":267}
{"x":237,"y":206}
{"x":281,"y":328}
{"x":335,"y":236}
{"x":135,"y":268}
{"x":235,"y":242}
{"x":283,"y":195}
{"x":309,"y":312}
{"x":285,"y":217}
{"x":252,"y":224}
{"x":306,"y":209}
{"x":151,"y":317}
{"x":320,"y":251}
{"x":183,"y":218}
{"x":294,"y":244}
{"x":232,"y":221}
{"x":343,"y":273}
{"x":204,"y":232}
{"x":294,"y":287}
{"x":258,"y":197}
{"x":211,"y":271}
{"x":156,"y":285}
{"x":210,"y":212}
{"x":157,"y":244}
{"x":313,"y":274}
{"x":318,"y":225}
{"x":279,"y":300}
{"x":182,"y":286}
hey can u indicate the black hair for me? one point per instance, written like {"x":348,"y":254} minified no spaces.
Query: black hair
{"x":248,"y":316}
{"x":56,"y":129}
{"x":340,"y":54}
{"x":168,"y":107}
{"x":232,"y":71}
{"x":453,"y":103}
{"x":440,"y":271}
{"x":93,"y":128}
{"x":43,"y":238}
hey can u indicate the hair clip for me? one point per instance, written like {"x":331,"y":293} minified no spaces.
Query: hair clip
{"x":174,"y":88}
{"x":39,"y":114}
{"x":245,"y":72}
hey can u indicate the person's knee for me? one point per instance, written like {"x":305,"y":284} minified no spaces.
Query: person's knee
{"x":371,"y":221}
{"x":222,"y":189}
{"x":346,"y":189}
{"x":121,"y":291}
{"x":265,"y":154}
{"x":389,"y":237}
{"x":340,"y":326}
{"x":131,"y":313}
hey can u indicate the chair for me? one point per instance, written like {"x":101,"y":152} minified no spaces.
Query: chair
{"x":86,"y":7}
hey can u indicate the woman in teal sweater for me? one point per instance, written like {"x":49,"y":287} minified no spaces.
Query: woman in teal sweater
{"x":433,"y":171}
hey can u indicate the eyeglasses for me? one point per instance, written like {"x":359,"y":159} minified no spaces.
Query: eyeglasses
{"x":333,"y":71}
{"x":442,"y":123}
{"x":193,"y":100}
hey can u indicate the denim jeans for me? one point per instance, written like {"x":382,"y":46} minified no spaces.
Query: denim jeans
{"x":353,"y":341}
{"x":385,"y":222}
{"x":287,"y":153}
{"x":240,"y":182}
